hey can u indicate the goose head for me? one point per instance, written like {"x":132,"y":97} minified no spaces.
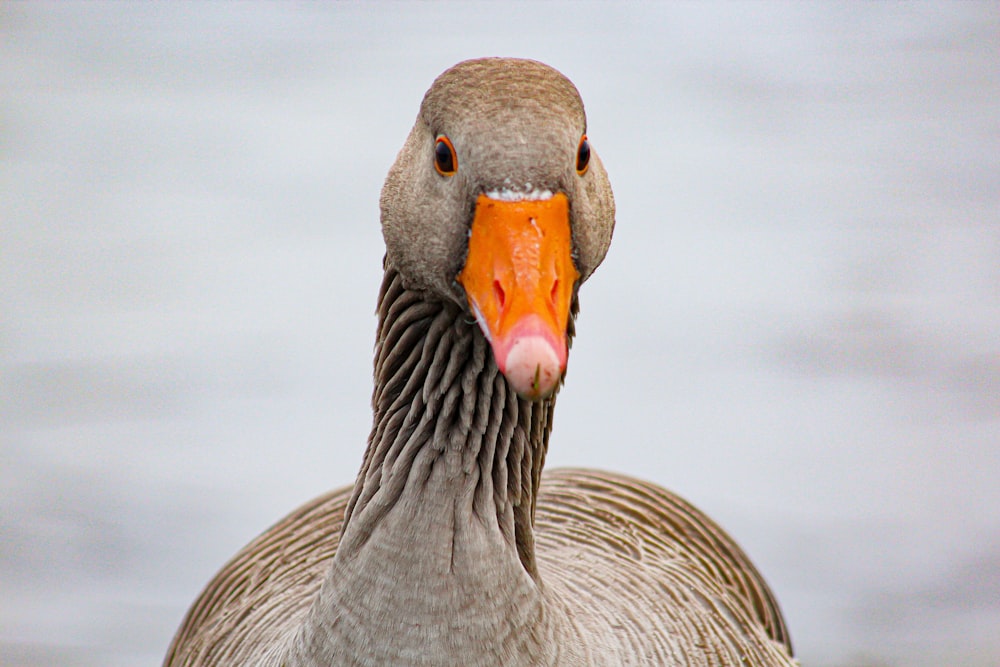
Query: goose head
{"x":498,"y":203}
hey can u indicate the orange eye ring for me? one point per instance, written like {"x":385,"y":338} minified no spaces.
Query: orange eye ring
{"x":445,"y":159}
{"x":583,"y":156}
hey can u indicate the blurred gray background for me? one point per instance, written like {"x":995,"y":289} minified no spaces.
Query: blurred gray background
{"x":797,"y":328}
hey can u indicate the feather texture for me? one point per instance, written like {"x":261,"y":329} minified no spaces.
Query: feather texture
{"x":631,"y":553}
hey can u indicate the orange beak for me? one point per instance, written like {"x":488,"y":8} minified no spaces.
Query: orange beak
{"x":519,"y":279}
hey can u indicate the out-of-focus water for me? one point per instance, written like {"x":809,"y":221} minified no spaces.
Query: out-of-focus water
{"x":798,"y":325}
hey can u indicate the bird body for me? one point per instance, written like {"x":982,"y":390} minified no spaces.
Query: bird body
{"x":452,"y":547}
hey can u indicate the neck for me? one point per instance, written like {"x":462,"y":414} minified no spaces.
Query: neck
{"x":438,"y":531}
{"x":446,"y":422}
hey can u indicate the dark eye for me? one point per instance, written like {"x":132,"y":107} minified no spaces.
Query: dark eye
{"x":445,"y":160}
{"x":583,"y":156}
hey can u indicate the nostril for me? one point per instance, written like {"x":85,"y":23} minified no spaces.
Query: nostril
{"x":498,"y":292}
{"x":555,"y":290}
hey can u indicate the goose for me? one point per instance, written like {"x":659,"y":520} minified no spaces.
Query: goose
{"x":453,"y":547}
